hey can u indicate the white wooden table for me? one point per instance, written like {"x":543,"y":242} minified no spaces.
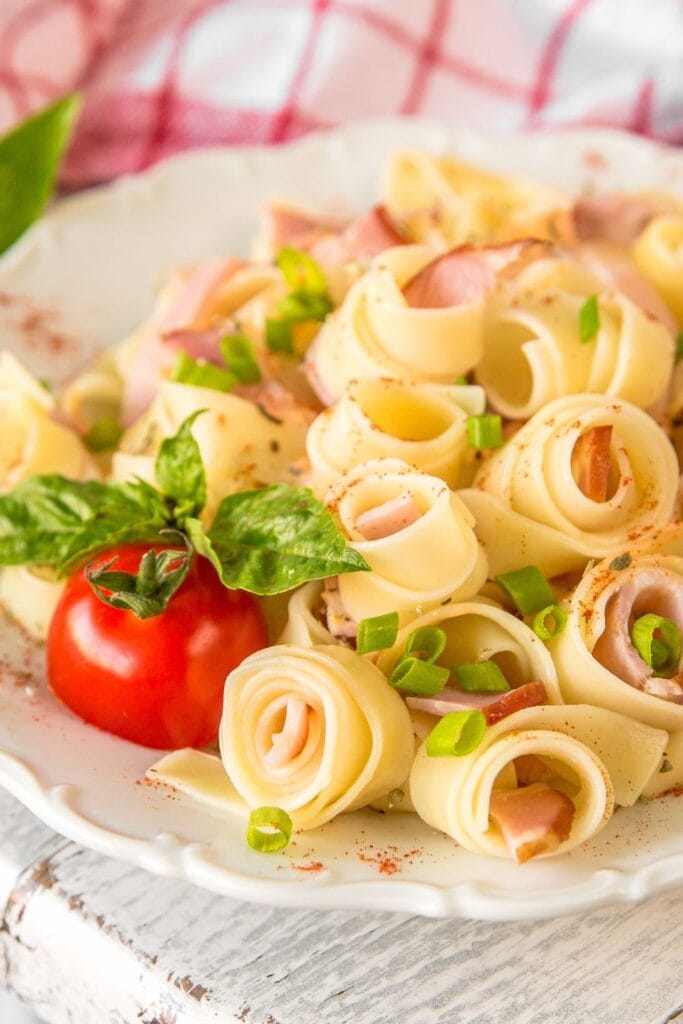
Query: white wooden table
{"x":87,"y":940}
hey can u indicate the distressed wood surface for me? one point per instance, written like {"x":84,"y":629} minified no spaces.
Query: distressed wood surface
{"x":88,"y":940}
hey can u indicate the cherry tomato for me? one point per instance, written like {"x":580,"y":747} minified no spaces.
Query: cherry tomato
{"x":156,"y":681}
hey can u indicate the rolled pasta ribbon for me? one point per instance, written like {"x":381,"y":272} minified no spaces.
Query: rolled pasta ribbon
{"x":30,"y":594}
{"x":578,"y":753}
{"x":305,"y":612}
{"x":30,"y":440}
{"x":441,"y":200}
{"x":658,"y":253}
{"x":534,"y":353}
{"x":583,"y":478}
{"x":376,"y":333}
{"x":415,"y":534}
{"x":422,"y":424}
{"x":596,"y":660}
{"x":315,"y":731}
{"x":482,"y":631}
{"x":241,"y":445}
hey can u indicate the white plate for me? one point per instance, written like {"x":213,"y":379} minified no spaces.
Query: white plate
{"x":77,"y":282}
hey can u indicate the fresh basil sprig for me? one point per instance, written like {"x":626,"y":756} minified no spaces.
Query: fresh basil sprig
{"x":265,"y":541}
{"x":30,"y":155}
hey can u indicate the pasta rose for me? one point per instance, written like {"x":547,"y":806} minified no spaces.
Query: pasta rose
{"x":536,"y":349}
{"x":604,"y":657}
{"x":541,"y":782}
{"x":657,"y":253}
{"x":422,"y":424}
{"x":583,"y":478}
{"x":415,"y":534}
{"x":315,"y":731}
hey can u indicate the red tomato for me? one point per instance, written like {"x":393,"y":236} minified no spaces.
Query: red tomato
{"x":156,"y":681}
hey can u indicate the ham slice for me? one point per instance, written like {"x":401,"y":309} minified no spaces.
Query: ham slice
{"x":612,"y":217}
{"x":291,"y":740}
{"x":332,"y":244}
{"x":339,"y":623}
{"x":466,"y":274}
{"x":494,"y":705}
{"x":529,"y":768}
{"x":591,"y":462}
{"x":388,"y":518}
{"x":655,"y":591}
{"x":532,"y":819}
{"x":154,"y":355}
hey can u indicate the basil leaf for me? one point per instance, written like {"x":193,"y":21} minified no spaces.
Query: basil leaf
{"x":180,"y":471}
{"x":273,"y":539}
{"x":50,"y":520}
{"x":30,"y":155}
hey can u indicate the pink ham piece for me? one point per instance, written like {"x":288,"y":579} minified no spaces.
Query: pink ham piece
{"x":339,"y":623}
{"x":388,"y":518}
{"x":286,"y":225}
{"x":276,"y":401}
{"x":291,"y":740}
{"x":532,"y":819}
{"x":363,"y":239}
{"x":154,"y":355}
{"x":612,"y":217}
{"x":198,"y":344}
{"x":466,"y":274}
{"x":494,"y":705}
{"x":591,"y":462}
{"x":653,"y":591}
{"x":617,"y":272}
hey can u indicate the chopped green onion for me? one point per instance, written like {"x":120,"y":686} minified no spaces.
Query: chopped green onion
{"x":485,"y":431}
{"x":104,"y":434}
{"x":269,"y":829}
{"x":426,"y":643}
{"x":481,"y":677}
{"x":377,"y":633}
{"x":298,"y":307}
{"x":187,"y":370}
{"x":457,"y":734}
{"x":589,"y":319}
{"x":279,"y":336}
{"x":462,"y":381}
{"x":238,"y":355}
{"x":396,"y":796}
{"x":528,"y":589}
{"x":679,"y":348}
{"x":300,"y":270}
{"x":420,"y":678}
{"x":549,"y":622}
{"x":658,"y":642}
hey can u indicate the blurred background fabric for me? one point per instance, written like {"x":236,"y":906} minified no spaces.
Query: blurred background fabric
{"x":160,"y":76}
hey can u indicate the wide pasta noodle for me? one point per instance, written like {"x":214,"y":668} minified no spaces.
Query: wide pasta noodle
{"x":534,"y":353}
{"x":480,"y":630}
{"x":376,"y":333}
{"x":30,"y":595}
{"x":357,"y":741}
{"x":651,"y":582}
{"x":432,"y":559}
{"x":422,"y":424}
{"x":598,"y":758}
{"x":529,"y":507}
{"x":31,"y":441}
{"x":442,"y":200}
{"x":241,"y":446}
{"x":658,"y":253}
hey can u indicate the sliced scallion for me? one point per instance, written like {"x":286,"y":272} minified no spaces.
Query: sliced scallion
{"x":269,"y":829}
{"x":485,"y":431}
{"x":239,"y":357}
{"x":187,"y":370}
{"x":528,"y":589}
{"x":426,"y":643}
{"x":549,"y":622}
{"x":457,"y":734}
{"x":377,"y":633}
{"x":481,"y":677}
{"x":589,"y":319}
{"x":105,"y":433}
{"x":658,"y":642}
{"x":420,"y":678}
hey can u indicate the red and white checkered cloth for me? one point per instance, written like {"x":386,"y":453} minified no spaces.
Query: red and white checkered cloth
{"x":164,"y":75}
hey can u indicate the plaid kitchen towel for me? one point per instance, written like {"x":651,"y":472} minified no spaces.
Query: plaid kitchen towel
{"x":164,"y":75}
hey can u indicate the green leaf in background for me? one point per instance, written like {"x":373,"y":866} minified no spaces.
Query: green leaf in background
{"x":180,"y":471}
{"x":49,"y":520}
{"x":30,"y":155}
{"x":270,"y":540}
